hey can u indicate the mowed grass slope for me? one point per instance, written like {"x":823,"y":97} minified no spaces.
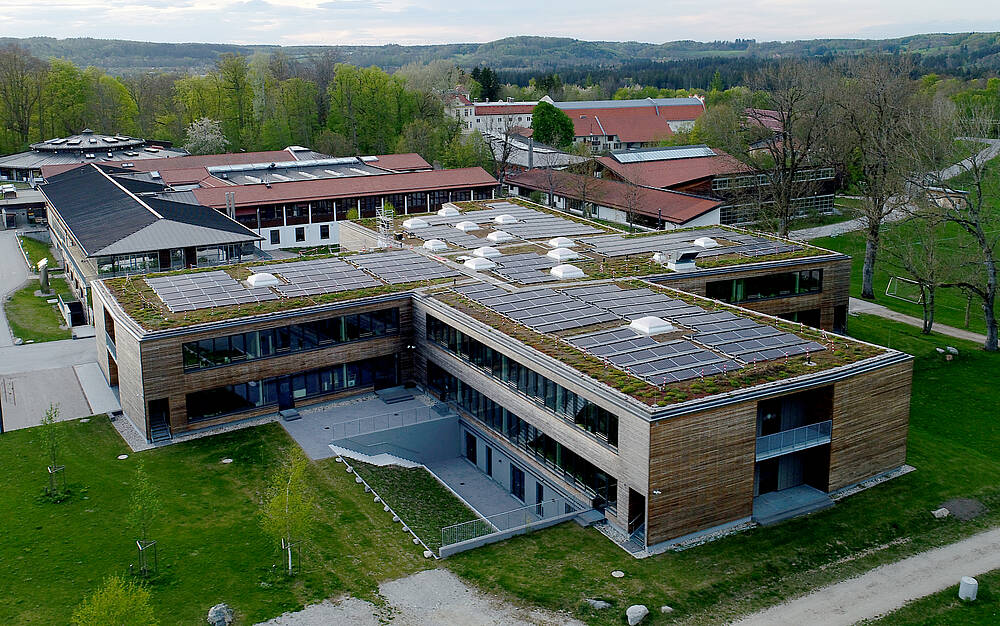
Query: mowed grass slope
{"x":211,"y":548}
{"x":953,"y":441}
{"x":945,"y":609}
{"x":32,"y":318}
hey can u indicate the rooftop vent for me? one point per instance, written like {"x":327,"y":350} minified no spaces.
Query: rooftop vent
{"x":479,"y":264}
{"x":564,"y":272}
{"x":448,"y":210}
{"x":678,"y":260}
{"x":435,"y":245}
{"x":562,"y":254}
{"x":467,"y":226}
{"x":651,"y":325}
{"x":415,"y":222}
{"x":263,"y":279}
{"x":499,"y":236}
{"x":486,"y":252}
{"x":561,"y":242}
{"x":505,"y":219}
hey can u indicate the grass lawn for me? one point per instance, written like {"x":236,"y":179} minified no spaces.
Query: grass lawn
{"x":211,"y":548}
{"x":952,"y":443}
{"x":424,"y":504}
{"x":32,"y":318}
{"x":36,"y":251}
{"x":949,"y":303}
{"x":946,"y":609}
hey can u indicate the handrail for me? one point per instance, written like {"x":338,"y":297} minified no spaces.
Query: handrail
{"x":521,"y":517}
{"x":794,"y":440}
{"x":383,"y":421}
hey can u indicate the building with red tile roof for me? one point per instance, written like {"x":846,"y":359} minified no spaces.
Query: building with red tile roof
{"x":681,"y":168}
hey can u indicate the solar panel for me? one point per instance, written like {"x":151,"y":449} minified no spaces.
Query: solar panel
{"x":189,"y":292}
{"x":531,"y":224}
{"x":402,"y":266}
{"x":318,"y":276}
{"x":544,"y":310}
{"x":743,"y":244}
{"x":527,"y":268}
{"x":663,"y":154}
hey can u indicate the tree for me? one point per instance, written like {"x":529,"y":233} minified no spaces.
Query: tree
{"x":144,"y":504}
{"x":551,"y":125}
{"x":875,"y":103}
{"x":52,"y":440}
{"x":467,"y":151}
{"x":204,"y":136}
{"x":287,"y":509}
{"x":110,"y":107}
{"x":120,"y":602}
{"x":489,"y":84}
{"x":233,"y":75}
{"x":20,"y":74}
{"x":65,"y":97}
{"x":913,"y":249}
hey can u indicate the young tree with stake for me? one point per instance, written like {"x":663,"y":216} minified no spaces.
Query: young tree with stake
{"x":287,"y":510}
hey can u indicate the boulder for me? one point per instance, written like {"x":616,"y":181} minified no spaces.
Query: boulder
{"x":940,"y":513}
{"x":666,"y":609}
{"x":220,"y":615}
{"x":598,"y":604}
{"x":636,"y":613}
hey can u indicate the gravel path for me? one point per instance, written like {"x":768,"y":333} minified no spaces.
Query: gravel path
{"x":432,"y":597}
{"x":889,"y":587}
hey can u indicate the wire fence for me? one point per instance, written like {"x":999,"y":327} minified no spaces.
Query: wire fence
{"x":517,"y":518}
{"x":793,"y":440}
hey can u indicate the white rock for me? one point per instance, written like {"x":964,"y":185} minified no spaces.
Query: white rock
{"x":220,"y":615}
{"x":122,"y":457}
{"x":666,"y":609}
{"x":428,"y":554}
{"x":618,"y":574}
{"x":636,"y":613}
{"x":598,"y":604}
{"x":357,"y":479}
{"x":940,"y":513}
{"x":85,"y":420}
{"x":226,"y":461}
{"x":416,"y":540}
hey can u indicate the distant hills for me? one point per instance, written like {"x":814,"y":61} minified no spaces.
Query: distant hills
{"x":968,"y":54}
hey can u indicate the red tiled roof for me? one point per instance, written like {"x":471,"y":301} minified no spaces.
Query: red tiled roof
{"x":671,"y":206}
{"x":504,"y":109}
{"x":326,"y":188}
{"x":401,"y":162}
{"x":672,"y":172}
{"x":632,"y":124}
{"x":770,"y":120}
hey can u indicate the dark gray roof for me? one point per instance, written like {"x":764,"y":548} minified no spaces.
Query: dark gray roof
{"x":106,"y":218}
{"x":87,"y":147}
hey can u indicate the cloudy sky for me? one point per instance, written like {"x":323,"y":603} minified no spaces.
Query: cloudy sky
{"x":333,"y":22}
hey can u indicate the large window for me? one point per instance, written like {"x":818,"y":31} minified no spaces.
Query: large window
{"x":765,"y":287}
{"x":260,"y":344}
{"x":597,"y":421}
{"x":523,"y":435}
{"x":202,"y":405}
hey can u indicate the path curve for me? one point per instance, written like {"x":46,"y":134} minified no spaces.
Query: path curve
{"x":888,"y":587}
{"x":864,"y":306}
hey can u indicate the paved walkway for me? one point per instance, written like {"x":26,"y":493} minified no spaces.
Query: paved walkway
{"x":478,"y":490}
{"x":864,"y":306}
{"x":13,"y":272}
{"x":889,"y":587}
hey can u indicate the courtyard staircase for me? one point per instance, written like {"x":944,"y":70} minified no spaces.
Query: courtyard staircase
{"x":159,"y":432}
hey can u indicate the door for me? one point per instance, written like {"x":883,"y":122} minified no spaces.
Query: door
{"x":517,"y":483}
{"x":636,"y":510}
{"x":489,"y":461}
{"x":539,"y":498}
{"x":767,"y":476}
{"x":159,"y":411}
{"x":285,"y":399}
{"x":470,"y":448}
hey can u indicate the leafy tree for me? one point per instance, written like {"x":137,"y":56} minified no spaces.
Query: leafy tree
{"x":328,"y":142}
{"x":119,"y":602}
{"x":21,"y":76}
{"x":467,"y":151}
{"x":233,"y":75}
{"x":66,"y":94}
{"x":551,"y":125}
{"x":144,"y":503}
{"x":287,"y":509}
{"x":489,"y":83}
{"x":716,"y":84}
{"x":52,"y":440}
{"x":110,"y":107}
{"x":204,"y":136}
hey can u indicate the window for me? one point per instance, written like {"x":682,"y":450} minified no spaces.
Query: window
{"x":275,"y":237}
{"x":517,"y":482}
{"x":324,"y":231}
{"x":765,"y":287}
{"x":300,"y":234}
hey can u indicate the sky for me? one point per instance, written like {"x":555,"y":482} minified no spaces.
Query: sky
{"x":407,"y":22}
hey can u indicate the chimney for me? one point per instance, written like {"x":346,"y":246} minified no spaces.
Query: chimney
{"x":531,"y":153}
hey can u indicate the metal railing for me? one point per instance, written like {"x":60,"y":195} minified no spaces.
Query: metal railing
{"x":518,"y":518}
{"x":384,"y":421}
{"x":793,"y":440}
{"x":111,"y":345}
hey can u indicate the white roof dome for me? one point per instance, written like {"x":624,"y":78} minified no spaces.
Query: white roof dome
{"x":651,"y":325}
{"x":435,"y":245}
{"x":563,"y":272}
{"x":499,"y":236}
{"x":506,"y":218}
{"x":561,"y":242}
{"x":415,"y":222}
{"x":562,"y":254}
{"x":486,"y":252}
{"x":448,"y":211}
{"x":466,"y":226}
{"x":263,"y":279}
{"x":706,"y":242}
{"x":478,"y":264}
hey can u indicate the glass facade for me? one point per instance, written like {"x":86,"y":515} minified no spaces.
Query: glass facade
{"x":260,"y":344}
{"x":766,"y":287}
{"x":564,"y":403}
{"x":210,"y":403}
{"x":546,"y":450}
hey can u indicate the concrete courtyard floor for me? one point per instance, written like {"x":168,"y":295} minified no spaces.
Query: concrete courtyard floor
{"x":78,"y":391}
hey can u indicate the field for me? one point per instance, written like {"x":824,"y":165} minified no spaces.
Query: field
{"x":32,"y":318}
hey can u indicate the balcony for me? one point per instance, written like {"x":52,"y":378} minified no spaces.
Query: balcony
{"x":111,"y":345}
{"x":794,"y":440}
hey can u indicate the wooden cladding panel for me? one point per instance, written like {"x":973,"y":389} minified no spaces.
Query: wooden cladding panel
{"x":871,"y":414}
{"x":703,"y":466}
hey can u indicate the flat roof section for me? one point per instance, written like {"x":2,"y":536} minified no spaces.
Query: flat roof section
{"x":403,"y":266}
{"x":189,"y":292}
{"x":542,"y":310}
{"x":318,"y":276}
{"x":746,"y":244}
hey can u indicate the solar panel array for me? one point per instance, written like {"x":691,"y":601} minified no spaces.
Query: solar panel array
{"x":189,"y":292}
{"x":452,"y":236}
{"x":651,"y":360}
{"x":734,"y":336}
{"x":531,"y":224}
{"x":527,"y":268}
{"x":318,"y":276}
{"x":662,"y":154}
{"x":745,"y":244}
{"x":402,"y":266}
{"x":544,"y":310}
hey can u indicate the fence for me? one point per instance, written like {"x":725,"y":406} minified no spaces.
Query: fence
{"x":385,"y":421}
{"x":521,"y":518}
{"x":793,"y":440}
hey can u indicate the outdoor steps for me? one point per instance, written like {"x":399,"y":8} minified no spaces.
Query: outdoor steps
{"x":637,"y":541}
{"x":394,"y":395}
{"x":159,"y":432}
{"x":380,"y":460}
{"x":805,"y":509}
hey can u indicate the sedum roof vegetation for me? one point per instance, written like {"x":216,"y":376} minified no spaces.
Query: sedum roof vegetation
{"x":839,"y":351}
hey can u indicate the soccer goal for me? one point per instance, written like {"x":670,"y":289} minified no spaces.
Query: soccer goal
{"x":904,"y":289}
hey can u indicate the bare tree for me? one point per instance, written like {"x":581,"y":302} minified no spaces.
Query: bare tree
{"x":913,"y":249}
{"x":877,"y":108}
{"x":632,"y":194}
{"x":586,"y":185}
{"x":20,"y":75}
{"x":966,"y":200}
